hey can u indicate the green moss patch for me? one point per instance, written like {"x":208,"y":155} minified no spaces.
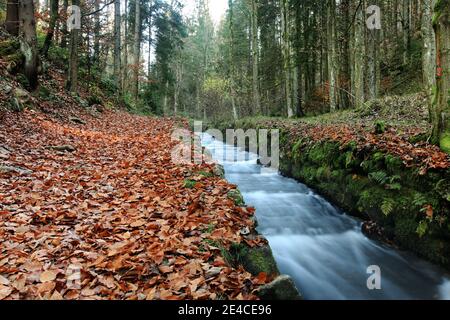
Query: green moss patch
{"x":255,"y":260}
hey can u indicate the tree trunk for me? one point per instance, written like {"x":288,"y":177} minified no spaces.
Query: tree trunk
{"x":137,"y":50}
{"x":286,"y":55}
{"x":232,"y":89}
{"x":298,"y":62}
{"x":345,"y":70}
{"x":28,"y":42}
{"x":64,"y":26}
{"x":359,"y":56}
{"x":441,"y":103}
{"x":117,"y":35}
{"x":166,"y":98}
{"x":406,"y":30}
{"x":12,"y":17}
{"x":429,"y":50}
{"x":178,"y":80}
{"x":332,"y":55}
{"x":373,"y":61}
{"x":255,"y":58}
{"x":96,"y":57}
{"x":197,"y":101}
{"x":72,"y":79}
{"x":150,"y":25}
{"x":51,"y":28}
{"x":125,"y":49}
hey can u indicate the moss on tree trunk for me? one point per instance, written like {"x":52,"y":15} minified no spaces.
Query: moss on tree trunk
{"x":441,"y":101}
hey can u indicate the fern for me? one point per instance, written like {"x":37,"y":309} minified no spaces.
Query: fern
{"x":349,"y":157}
{"x":395,"y":179}
{"x":388,"y":206}
{"x":296,"y":149}
{"x":394,"y":186}
{"x":422,"y":228}
{"x":379,"y":176}
{"x":419,"y":200}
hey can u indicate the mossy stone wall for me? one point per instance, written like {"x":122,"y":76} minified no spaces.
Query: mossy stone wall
{"x":412,"y":209}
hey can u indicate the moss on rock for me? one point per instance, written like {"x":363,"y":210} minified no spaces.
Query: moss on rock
{"x":282,"y":288}
{"x":237,"y":197}
{"x":445,"y":142}
{"x":10,"y":52}
{"x":256,"y":260}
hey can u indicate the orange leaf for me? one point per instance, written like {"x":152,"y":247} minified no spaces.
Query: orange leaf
{"x":261,"y":278}
{"x":48,"y":276}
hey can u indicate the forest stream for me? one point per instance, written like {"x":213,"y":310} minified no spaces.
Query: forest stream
{"x":318,"y":245}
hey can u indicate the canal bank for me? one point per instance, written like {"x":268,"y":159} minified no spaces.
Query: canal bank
{"x":323,"y":249}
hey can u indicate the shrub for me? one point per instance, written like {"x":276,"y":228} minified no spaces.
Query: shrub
{"x":59,"y":56}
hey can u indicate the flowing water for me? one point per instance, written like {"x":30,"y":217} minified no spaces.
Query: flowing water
{"x":319,"y":246}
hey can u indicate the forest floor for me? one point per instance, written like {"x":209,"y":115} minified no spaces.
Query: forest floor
{"x":92,"y":207}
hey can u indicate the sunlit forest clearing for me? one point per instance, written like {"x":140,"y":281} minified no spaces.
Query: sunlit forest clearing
{"x":93,"y":206}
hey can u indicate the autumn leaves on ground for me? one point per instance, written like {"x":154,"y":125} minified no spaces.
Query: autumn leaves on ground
{"x":102,"y":196}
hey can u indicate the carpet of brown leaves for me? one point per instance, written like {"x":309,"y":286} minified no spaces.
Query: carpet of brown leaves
{"x":113,"y":220}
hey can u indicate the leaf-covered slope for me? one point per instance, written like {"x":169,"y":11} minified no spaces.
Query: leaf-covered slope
{"x":115,"y":207}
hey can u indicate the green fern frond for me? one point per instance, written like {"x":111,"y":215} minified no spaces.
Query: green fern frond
{"x":422,"y":228}
{"x":394,"y":186}
{"x":379,"y":177}
{"x":388,"y":206}
{"x":419,"y":200}
{"x":394,"y":179}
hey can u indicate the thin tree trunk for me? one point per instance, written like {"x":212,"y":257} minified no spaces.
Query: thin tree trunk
{"x":429,"y":49}
{"x":286,"y":55}
{"x":373,"y":79}
{"x":125,"y":49}
{"x":72,"y":81}
{"x":137,"y":50}
{"x":332,"y":55}
{"x":28,"y":41}
{"x":96,"y":57}
{"x":178,"y":79}
{"x":232,"y":89}
{"x":298,"y":61}
{"x":12,"y":17}
{"x":166,"y":95}
{"x":359,"y":56}
{"x":51,"y":29}
{"x":406,"y":30}
{"x":64,"y":26}
{"x":345,"y":71}
{"x":150,"y":25}
{"x":255,"y":57}
{"x":197,"y":101}
{"x":117,"y":35}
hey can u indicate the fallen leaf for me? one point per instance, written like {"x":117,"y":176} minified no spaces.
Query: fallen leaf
{"x":4,"y":292}
{"x":165,"y":269}
{"x":56,"y":296}
{"x":3,"y":280}
{"x":138,"y":223}
{"x":261,"y":278}
{"x":48,"y":276}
